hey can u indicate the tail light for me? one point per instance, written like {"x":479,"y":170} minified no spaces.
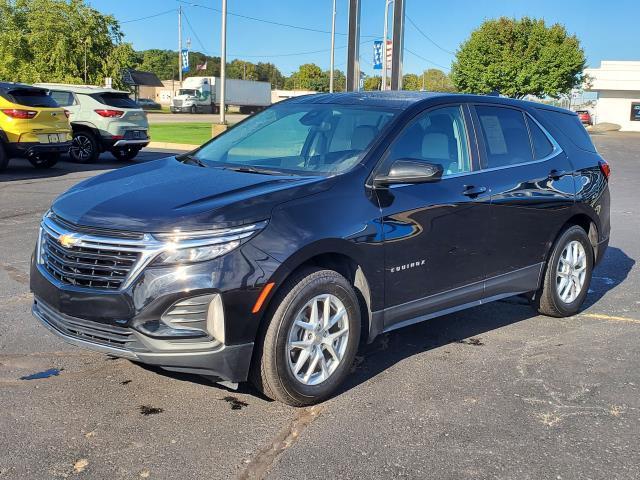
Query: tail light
{"x":110,"y":113}
{"x":605,"y":169}
{"x":20,"y":114}
{"x":67,"y":113}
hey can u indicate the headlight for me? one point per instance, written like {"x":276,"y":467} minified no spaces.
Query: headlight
{"x":200,"y":246}
{"x":196,"y":254}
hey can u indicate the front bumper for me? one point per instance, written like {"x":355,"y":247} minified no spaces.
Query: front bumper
{"x":210,"y":358}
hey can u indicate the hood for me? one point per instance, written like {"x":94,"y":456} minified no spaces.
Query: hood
{"x":161,"y":195}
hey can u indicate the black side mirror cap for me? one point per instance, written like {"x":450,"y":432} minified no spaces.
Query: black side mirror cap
{"x":407,"y":170}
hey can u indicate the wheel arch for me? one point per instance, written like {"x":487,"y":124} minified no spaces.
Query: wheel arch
{"x":583,"y":220}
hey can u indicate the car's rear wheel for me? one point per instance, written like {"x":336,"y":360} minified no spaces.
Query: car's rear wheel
{"x":309,"y":344}
{"x":567,"y":276}
{"x":43,"y":160}
{"x":4,"y":158}
{"x":125,"y":153}
{"x":84,"y":147}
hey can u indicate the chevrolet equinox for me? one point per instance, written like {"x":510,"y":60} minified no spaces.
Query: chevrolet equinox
{"x":269,"y":253}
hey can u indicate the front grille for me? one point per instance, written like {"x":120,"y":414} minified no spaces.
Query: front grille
{"x":90,"y":267}
{"x":177,"y":103}
{"x":94,"y":332}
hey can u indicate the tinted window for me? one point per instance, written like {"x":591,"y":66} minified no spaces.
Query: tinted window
{"x":438,"y":136}
{"x":300,"y":138}
{"x":120,"y":100}
{"x":505,"y":135}
{"x":64,"y":99}
{"x":542,"y":147}
{"x":570,"y":125}
{"x":32,"y":97}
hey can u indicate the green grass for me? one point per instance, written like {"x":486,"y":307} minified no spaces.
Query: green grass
{"x":192,"y":133}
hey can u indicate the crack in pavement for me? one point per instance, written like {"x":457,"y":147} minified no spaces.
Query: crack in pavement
{"x":259,"y":466}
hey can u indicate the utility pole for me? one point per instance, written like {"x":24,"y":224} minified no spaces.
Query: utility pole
{"x":383,"y":85}
{"x":86,"y":40}
{"x":398,"y":44}
{"x":223,"y":62}
{"x":353,"y":55}
{"x":333,"y":44}
{"x":180,"y":45}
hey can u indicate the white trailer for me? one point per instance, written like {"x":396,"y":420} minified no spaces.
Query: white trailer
{"x":202,"y":95}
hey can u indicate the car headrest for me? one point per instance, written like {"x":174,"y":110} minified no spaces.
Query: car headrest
{"x":363,"y":135}
{"x":435,"y":146}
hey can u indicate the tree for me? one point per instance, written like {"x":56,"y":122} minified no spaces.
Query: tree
{"x":308,"y":77}
{"x":164,"y":63}
{"x":48,"y":41}
{"x":518,"y":58}
{"x":436,"y":80}
{"x":373,"y":83}
{"x":411,"y":81}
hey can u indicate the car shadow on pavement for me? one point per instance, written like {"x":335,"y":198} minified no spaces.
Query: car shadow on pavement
{"x":611,"y":272}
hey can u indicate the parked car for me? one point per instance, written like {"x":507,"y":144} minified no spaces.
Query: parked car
{"x":148,"y":104}
{"x":270,"y":252}
{"x":32,"y":126}
{"x":102,"y":119}
{"x":585,"y":117}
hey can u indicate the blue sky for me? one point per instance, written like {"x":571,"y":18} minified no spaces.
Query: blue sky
{"x":607,"y":30}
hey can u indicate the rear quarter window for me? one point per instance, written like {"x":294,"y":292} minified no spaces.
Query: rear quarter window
{"x":571,"y":126}
{"x":32,"y":97}
{"x":119,"y":100}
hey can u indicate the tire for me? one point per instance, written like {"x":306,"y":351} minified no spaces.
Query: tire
{"x":4,"y":158}
{"x":548,"y":300}
{"x":43,"y":160}
{"x":194,"y":109}
{"x":274,"y":361}
{"x":125,"y":153}
{"x":84,"y":147}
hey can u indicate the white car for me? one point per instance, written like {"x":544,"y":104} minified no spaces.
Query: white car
{"x":102,"y":119}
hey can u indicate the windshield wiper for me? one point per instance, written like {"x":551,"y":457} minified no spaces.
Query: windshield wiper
{"x":249,"y":169}
{"x":193,"y":160}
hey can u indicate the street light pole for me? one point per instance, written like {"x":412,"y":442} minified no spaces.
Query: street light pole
{"x":383,"y":85}
{"x":333,"y":44}
{"x":223,"y":61}
{"x":85,"y":61}
{"x":180,"y":45}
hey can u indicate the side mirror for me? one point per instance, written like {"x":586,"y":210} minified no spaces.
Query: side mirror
{"x":407,"y":170}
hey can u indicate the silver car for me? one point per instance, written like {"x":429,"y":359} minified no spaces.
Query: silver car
{"x":102,"y":119}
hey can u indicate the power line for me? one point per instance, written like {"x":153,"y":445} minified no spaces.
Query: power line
{"x":150,"y":16}
{"x":271,"y":22}
{"x":426,"y":59}
{"x":427,"y":36}
{"x":194,"y":32}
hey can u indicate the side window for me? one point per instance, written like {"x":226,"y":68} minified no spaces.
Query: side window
{"x":506,"y":136}
{"x":438,"y":136}
{"x":542,"y":147}
{"x":64,"y":99}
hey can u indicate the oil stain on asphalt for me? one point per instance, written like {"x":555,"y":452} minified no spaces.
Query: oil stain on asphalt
{"x":147,"y":410}
{"x":235,"y":403}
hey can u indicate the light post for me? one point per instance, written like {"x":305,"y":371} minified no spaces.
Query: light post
{"x":333,"y":43}
{"x":223,"y":62}
{"x":86,"y":41}
{"x":180,"y":46}
{"x":383,"y":85}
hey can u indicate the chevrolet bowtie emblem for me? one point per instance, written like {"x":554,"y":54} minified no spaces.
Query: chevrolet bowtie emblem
{"x":67,"y":240}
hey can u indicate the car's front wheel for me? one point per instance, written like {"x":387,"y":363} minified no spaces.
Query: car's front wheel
{"x":567,"y":276}
{"x":309,"y":344}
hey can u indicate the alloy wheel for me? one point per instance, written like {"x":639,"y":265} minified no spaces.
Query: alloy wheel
{"x":81,"y":148}
{"x":571,"y":271}
{"x":318,"y":339}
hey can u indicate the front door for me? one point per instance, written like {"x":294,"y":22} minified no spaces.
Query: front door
{"x":434,"y":233}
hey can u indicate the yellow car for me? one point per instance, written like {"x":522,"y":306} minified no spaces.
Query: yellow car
{"x":32,"y":126}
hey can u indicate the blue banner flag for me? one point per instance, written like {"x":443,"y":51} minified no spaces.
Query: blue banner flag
{"x":185,"y":60}
{"x":377,"y":55}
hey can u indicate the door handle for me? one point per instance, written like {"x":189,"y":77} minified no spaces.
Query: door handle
{"x":556,"y":174}
{"x":473,"y":191}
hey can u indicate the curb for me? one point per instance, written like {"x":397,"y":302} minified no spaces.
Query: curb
{"x":172,"y":146}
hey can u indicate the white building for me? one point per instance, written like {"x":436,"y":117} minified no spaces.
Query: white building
{"x":617,"y":84}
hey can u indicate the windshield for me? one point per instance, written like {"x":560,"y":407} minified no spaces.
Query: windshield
{"x":32,"y":97}
{"x":299,"y":138}
{"x":119,"y":100}
{"x":186,"y":91}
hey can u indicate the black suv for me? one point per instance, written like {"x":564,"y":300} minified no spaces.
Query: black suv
{"x":270,"y":252}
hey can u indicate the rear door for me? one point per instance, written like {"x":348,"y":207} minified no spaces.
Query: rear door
{"x":434,"y":233}
{"x":532,"y":189}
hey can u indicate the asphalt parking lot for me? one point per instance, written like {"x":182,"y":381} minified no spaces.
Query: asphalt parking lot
{"x":492,"y":392}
